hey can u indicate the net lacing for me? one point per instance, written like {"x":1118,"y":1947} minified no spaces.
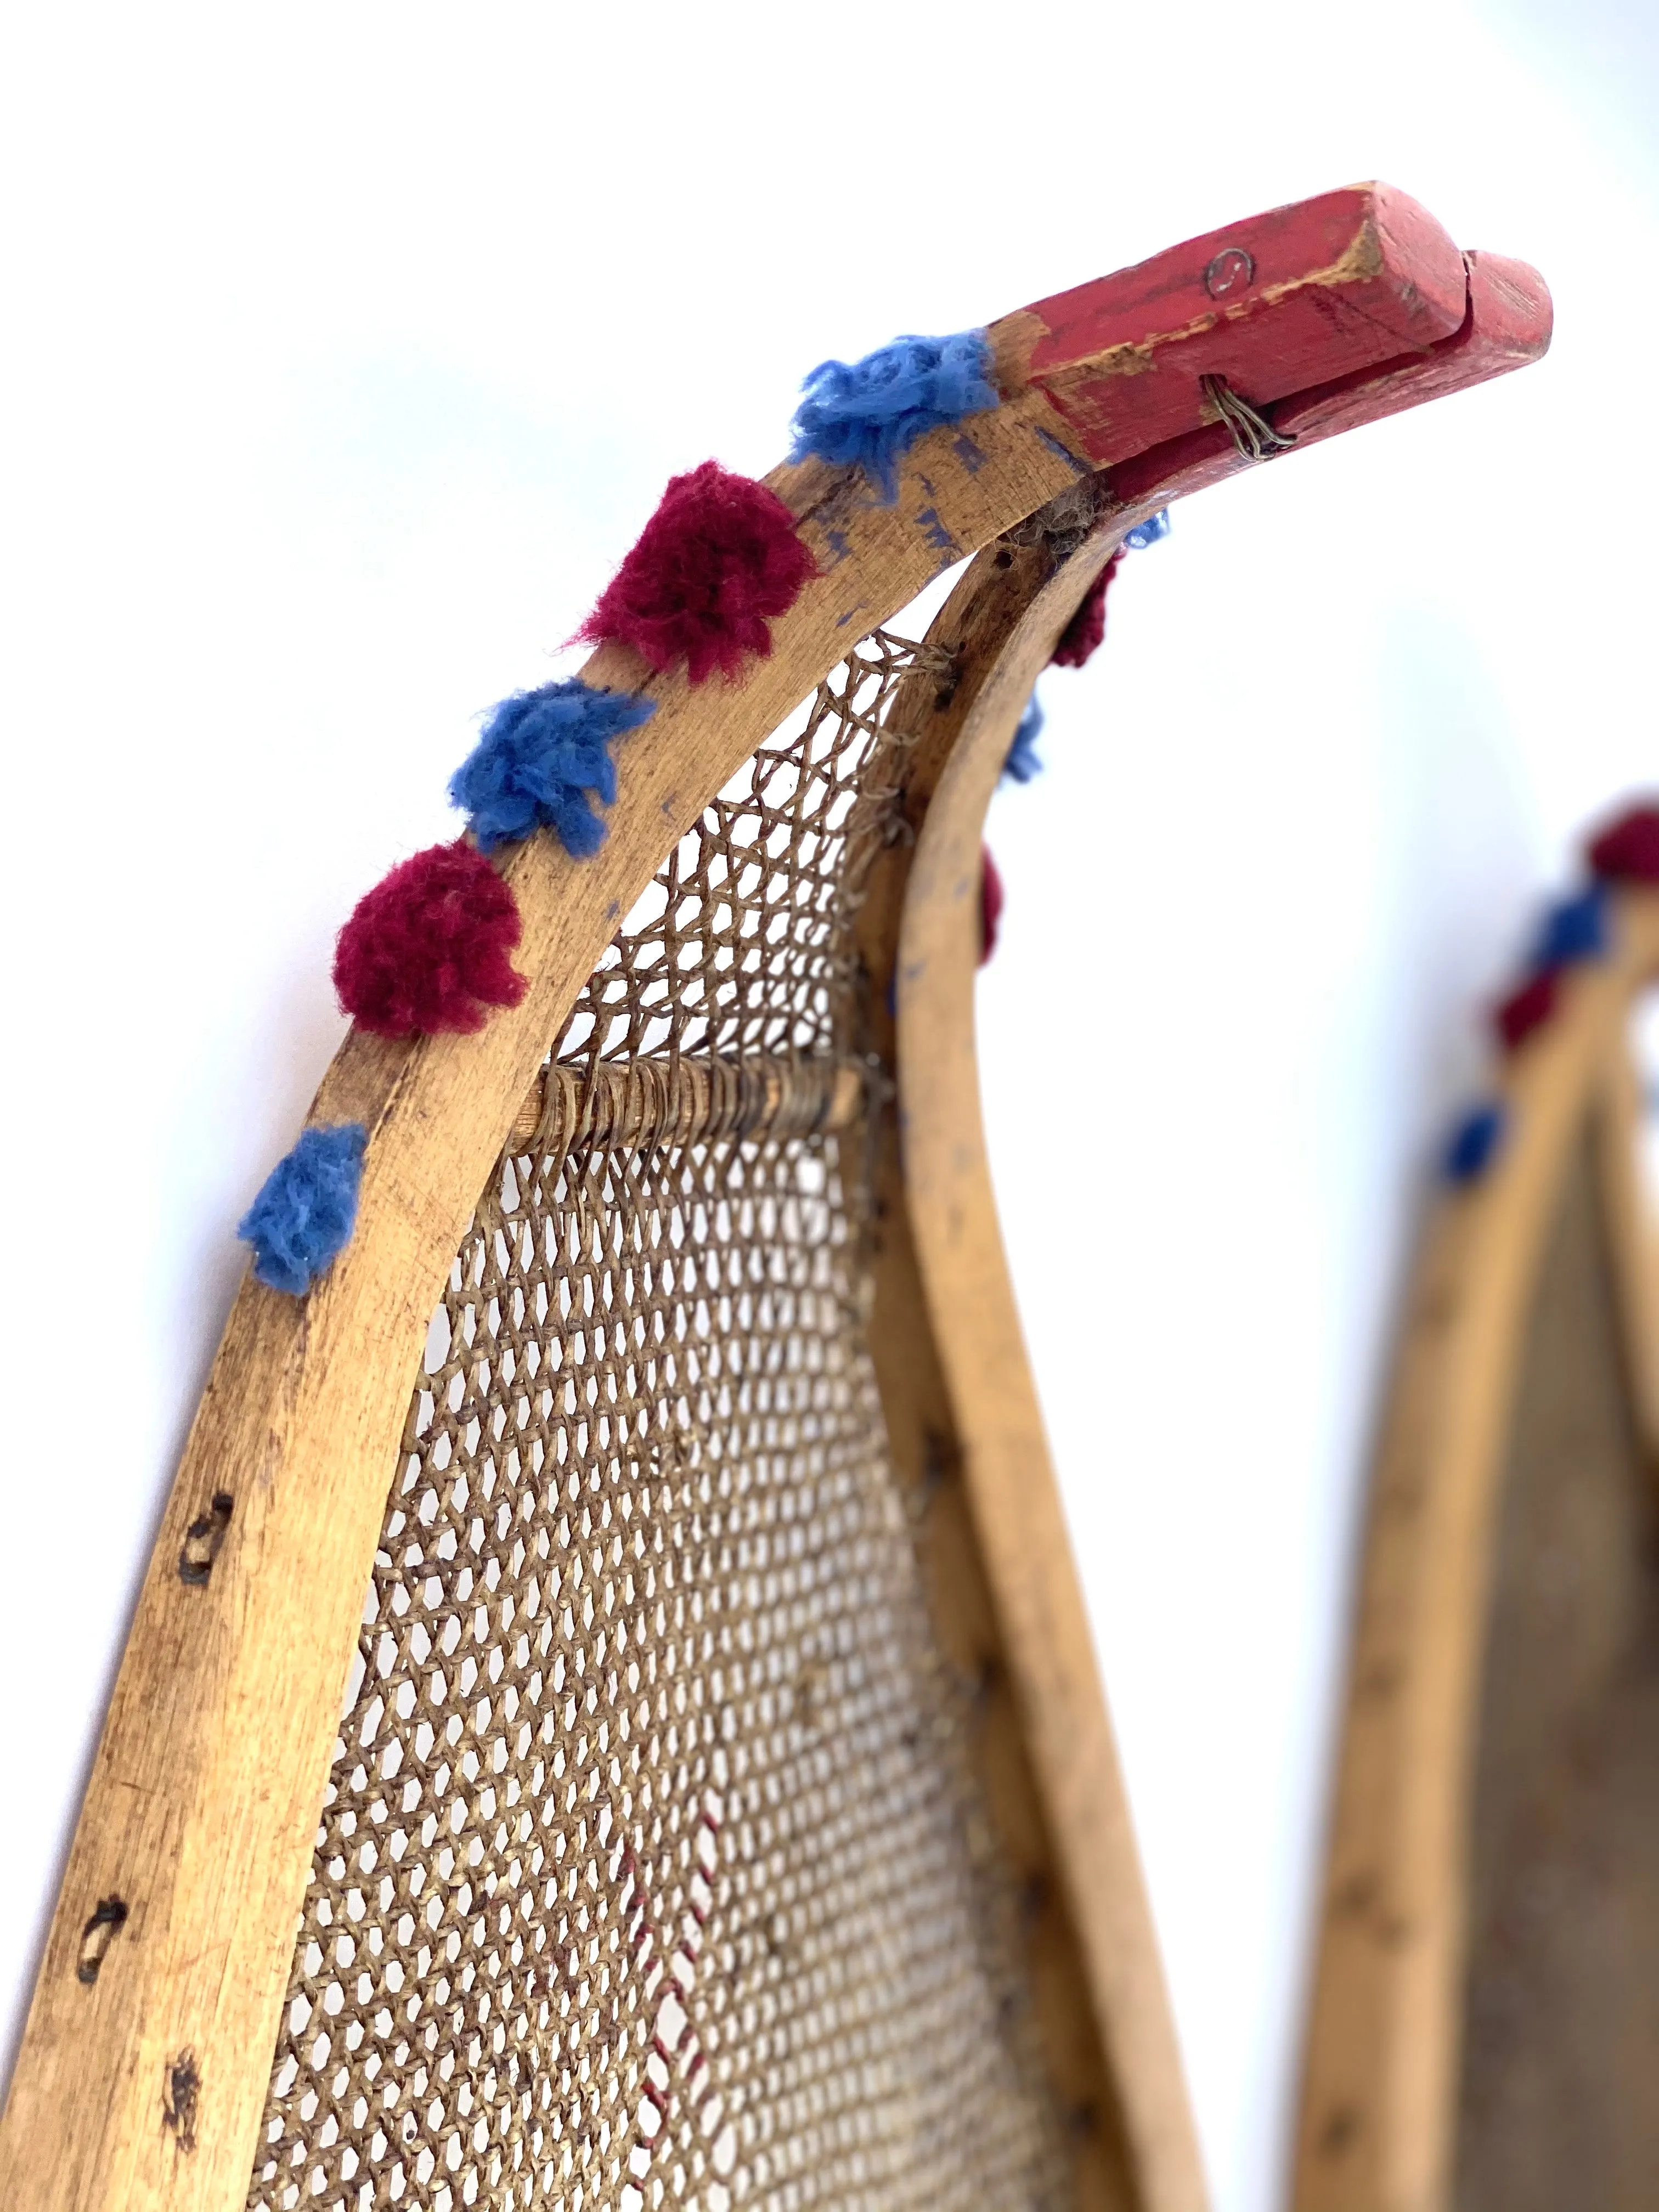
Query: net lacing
{"x":650,"y":1869}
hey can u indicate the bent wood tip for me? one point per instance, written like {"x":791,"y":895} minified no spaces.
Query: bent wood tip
{"x":1338,"y":290}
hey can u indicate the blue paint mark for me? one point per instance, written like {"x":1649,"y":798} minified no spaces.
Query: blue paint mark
{"x":1078,"y":468}
{"x":842,"y":621}
{"x":837,"y":542}
{"x":926,"y":486}
{"x":968,"y":453}
{"x":938,"y":536}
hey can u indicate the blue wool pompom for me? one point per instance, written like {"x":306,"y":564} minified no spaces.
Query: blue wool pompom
{"x":1475,"y":1143}
{"x":1022,"y":763}
{"x":305,"y":1212}
{"x":1148,"y":533}
{"x":1575,"y":928}
{"x":541,"y":753}
{"x":873,"y":411}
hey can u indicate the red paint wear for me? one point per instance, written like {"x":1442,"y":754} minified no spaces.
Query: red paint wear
{"x":426,"y":949}
{"x":716,"y":563}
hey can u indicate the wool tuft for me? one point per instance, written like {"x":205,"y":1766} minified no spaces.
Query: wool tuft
{"x":1526,"y":1008}
{"x":307,"y":1207}
{"x":717,"y":562}
{"x":1574,"y":929}
{"x":1081,"y":638}
{"x":1627,"y":850}
{"x":426,"y":949}
{"x":871,"y":412}
{"x":1148,"y":533}
{"x":991,"y":900}
{"x":1023,"y":763}
{"x":540,"y":754}
{"x":1475,"y":1143}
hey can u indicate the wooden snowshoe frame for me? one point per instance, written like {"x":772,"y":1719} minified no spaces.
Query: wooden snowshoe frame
{"x":1483,"y":2031}
{"x":146,"y":2076}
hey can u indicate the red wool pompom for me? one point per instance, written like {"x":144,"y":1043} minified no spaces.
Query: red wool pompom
{"x":1083,"y":634}
{"x":1627,"y":850}
{"x":1526,"y":1008}
{"x":990,"y":904}
{"x":716,"y":562}
{"x":426,"y":949}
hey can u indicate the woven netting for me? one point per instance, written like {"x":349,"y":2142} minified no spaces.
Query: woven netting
{"x":651,"y":1868}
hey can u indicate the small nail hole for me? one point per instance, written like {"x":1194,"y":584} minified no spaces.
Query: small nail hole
{"x":99,"y":1932}
{"x":202,"y":1539}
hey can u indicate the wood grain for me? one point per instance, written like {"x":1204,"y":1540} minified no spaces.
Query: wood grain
{"x":1003,"y":1468}
{"x":1632,"y":1221}
{"x":1561,"y":2031}
{"x":1107,"y":2035}
{"x":1381,"y":2075}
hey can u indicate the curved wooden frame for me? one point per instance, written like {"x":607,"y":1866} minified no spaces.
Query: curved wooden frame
{"x":1380,"y":2091}
{"x":174,"y":1924}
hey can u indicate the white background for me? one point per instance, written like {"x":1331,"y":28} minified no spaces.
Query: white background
{"x":348,"y":349}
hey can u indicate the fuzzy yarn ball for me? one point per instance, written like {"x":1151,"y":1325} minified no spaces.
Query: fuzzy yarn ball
{"x":540,"y":754}
{"x":871,"y":412}
{"x":1081,"y":638}
{"x":1148,"y":533}
{"x":307,"y":1207}
{"x":1574,"y":929}
{"x":426,"y":949}
{"x":1022,"y":762}
{"x":717,"y":562}
{"x":1627,"y":850}
{"x":1526,"y":1008}
{"x":991,"y":901}
{"x":1475,"y":1143}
